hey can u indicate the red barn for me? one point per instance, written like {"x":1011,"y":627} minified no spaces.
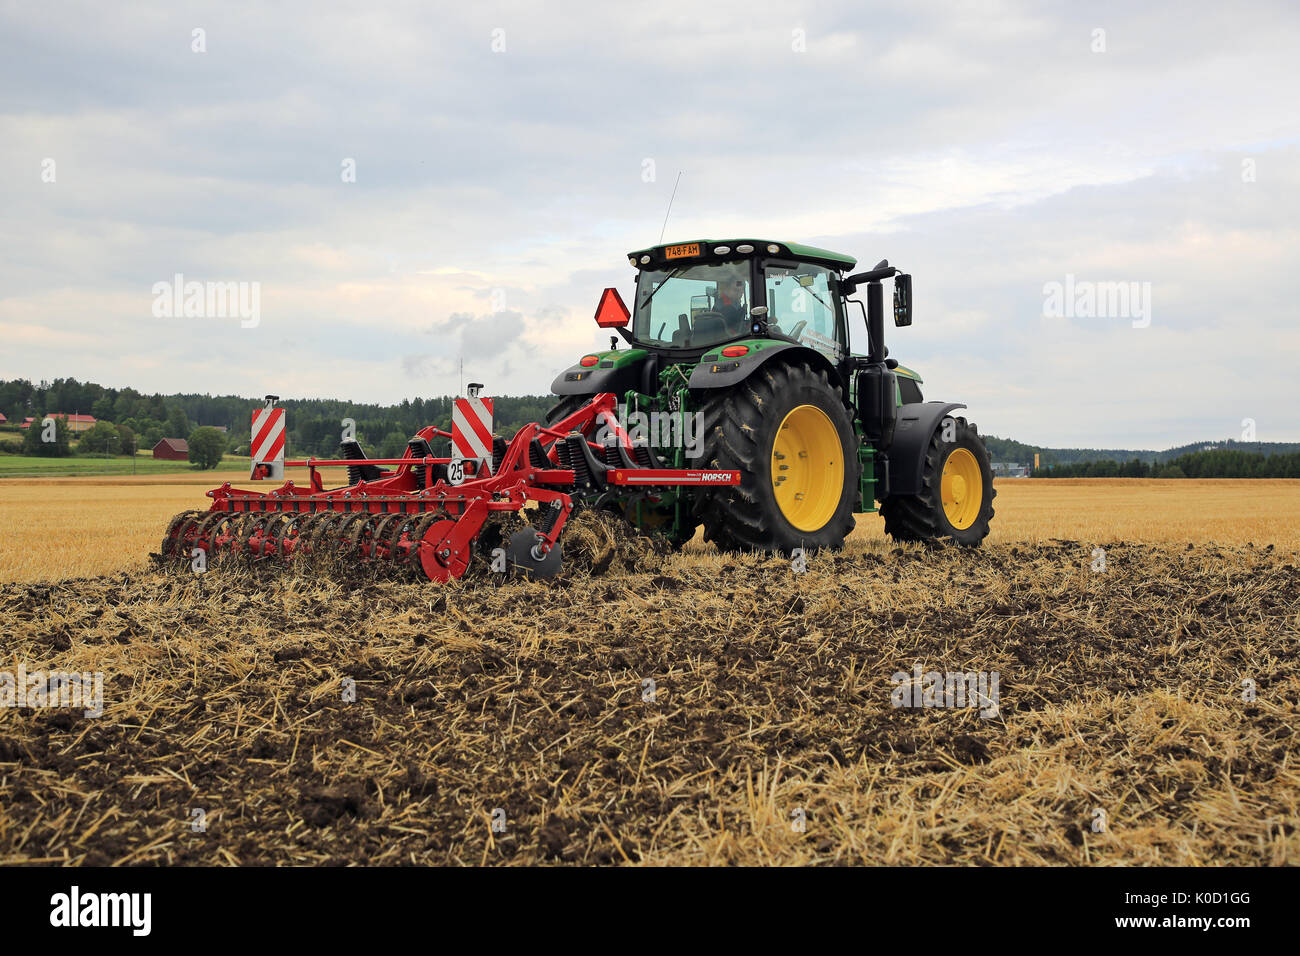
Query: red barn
{"x":172,"y":449}
{"x":76,"y":423}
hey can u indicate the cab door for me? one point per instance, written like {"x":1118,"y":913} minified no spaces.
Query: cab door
{"x":803,"y":302}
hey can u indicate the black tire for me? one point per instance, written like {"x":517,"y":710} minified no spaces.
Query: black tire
{"x":566,"y":407}
{"x":740,"y":429}
{"x":922,"y":517}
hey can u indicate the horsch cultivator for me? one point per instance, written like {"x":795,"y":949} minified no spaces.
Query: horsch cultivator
{"x":433,"y":514}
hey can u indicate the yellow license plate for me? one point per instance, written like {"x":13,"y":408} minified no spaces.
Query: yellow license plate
{"x":682,"y":252}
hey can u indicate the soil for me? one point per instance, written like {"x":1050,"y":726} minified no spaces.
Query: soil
{"x":679,"y":708}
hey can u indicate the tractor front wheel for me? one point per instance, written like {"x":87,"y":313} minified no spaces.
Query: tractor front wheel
{"x":787,"y":432}
{"x":956,"y":499}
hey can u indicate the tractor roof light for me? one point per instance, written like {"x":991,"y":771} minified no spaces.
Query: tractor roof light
{"x":773,"y":248}
{"x":721,"y":250}
{"x":631,"y":260}
{"x":645,"y":260}
{"x":744,"y":249}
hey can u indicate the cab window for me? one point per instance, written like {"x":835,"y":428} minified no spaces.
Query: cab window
{"x":801,"y":304}
{"x":909,"y":393}
{"x":693,"y":306}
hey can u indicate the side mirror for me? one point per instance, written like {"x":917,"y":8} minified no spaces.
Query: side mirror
{"x":902,"y":300}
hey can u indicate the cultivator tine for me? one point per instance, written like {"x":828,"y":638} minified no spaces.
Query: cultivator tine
{"x":237,"y":534}
{"x":412,"y":544}
{"x":359,"y":536}
{"x":318,"y":532}
{"x":381,"y":547}
{"x":286,"y":539}
{"x":174,"y":534}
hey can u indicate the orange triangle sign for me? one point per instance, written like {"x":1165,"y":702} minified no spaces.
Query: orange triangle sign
{"x":611,"y":313}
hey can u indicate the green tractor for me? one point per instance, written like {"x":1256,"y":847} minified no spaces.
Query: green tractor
{"x":738,"y":358}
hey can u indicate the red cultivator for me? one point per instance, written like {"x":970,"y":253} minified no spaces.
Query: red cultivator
{"x":431,"y":513}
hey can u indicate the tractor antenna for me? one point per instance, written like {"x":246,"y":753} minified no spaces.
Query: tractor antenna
{"x":670,"y":205}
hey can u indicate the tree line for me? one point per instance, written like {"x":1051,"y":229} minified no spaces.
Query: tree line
{"x":1216,"y":463}
{"x":128,"y":419}
{"x":313,"y":426}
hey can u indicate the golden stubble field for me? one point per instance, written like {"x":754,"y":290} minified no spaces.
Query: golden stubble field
{"x":768,"y":735}
{"x":52,"y":529}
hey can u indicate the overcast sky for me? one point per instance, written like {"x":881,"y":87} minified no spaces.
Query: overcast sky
{"x":507,"y":156}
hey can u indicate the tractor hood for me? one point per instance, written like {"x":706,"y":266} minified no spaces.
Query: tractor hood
{"x":611,"y":371}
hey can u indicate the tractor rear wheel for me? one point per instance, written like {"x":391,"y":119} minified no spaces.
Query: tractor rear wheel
{"x":956,"y":499}
{"x":566,"y":407}
{"x":787,"y":432}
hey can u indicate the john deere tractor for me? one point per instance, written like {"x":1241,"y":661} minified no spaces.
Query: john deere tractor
{"x":737,"y":357}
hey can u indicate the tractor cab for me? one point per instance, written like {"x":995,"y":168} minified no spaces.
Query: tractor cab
{"x":692,"y":296}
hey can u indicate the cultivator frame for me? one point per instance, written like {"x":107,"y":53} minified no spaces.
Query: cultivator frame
{"x":428,"y":512}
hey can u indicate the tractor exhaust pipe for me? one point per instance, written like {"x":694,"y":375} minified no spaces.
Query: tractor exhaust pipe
{"x":875,"y":323}
{"x":875,"y":306}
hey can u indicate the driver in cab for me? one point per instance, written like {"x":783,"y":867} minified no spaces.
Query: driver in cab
{"x":729,"y":302}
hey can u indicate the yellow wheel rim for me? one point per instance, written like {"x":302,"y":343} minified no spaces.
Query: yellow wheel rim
{"x":963,"y":488}
{"x":807,"y":468}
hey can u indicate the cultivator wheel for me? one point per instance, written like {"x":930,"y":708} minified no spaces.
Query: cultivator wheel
{"x":438,"y":559}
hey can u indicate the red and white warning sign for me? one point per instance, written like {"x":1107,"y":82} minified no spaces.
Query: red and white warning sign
{"x":268,"y":443}
{"x":471,"y":429}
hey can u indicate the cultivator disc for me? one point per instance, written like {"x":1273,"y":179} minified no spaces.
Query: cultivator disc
{"x":428,"y":515}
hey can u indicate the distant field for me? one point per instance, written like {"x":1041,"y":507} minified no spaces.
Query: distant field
{"x":57,"y":528}
{"x":21,"y":466}
{"x":1183,"y":510}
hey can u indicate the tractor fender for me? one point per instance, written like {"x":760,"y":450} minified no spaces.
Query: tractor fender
{"x":725,"y":372}
{"x":610,"y":374}
{"x":917,"y":423}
